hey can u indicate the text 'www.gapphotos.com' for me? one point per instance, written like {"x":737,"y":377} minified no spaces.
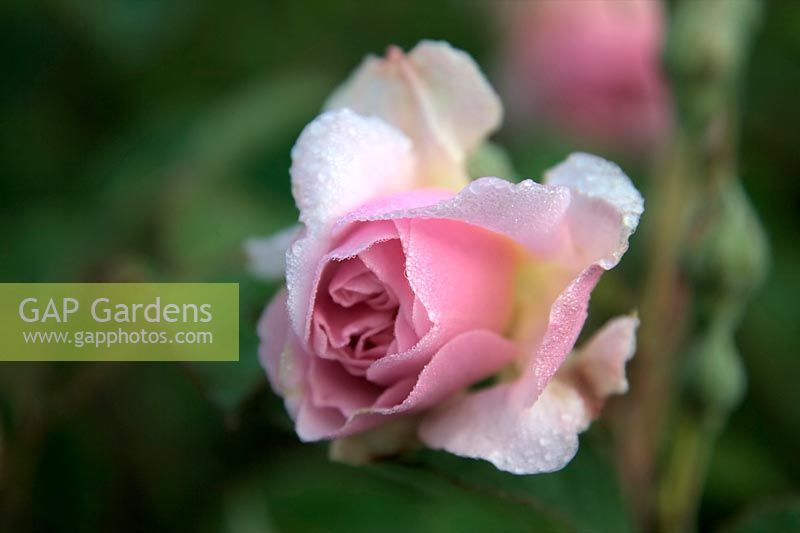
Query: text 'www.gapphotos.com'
{"x":79,"y":339}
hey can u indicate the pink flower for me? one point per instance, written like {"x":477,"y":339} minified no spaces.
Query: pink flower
{"x":593,"y":68}
{"x":408,"y":283}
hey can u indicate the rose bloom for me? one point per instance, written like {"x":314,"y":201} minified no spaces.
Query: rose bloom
{"x":591,"y":68}
{"x":408,"y":284}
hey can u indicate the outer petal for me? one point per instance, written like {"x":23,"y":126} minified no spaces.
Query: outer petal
{"x":604,"y":196}
{"x":437,"y":95}
{"x":566,"y":320}
{"x":584,"y":214}
{"x":599,"y":369}
{"x":273,"y":332}
{"x":340,"y":161}
{"x":499,"y":426}
{"x":530,"y":214}
{"x":281,"y":355}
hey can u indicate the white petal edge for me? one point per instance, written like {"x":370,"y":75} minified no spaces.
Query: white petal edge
{"x":340,"y":161}
{"x":598,"y":179}
{"x":343,"y":159}
{"x":435,"y":94}
{"x":495,"y":424}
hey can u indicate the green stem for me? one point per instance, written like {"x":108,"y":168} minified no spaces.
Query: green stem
{"x":708,"y":47}
{"x":663,"y":314}
{"x":681,"y":488}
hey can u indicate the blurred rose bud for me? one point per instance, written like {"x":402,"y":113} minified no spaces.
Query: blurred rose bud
{"x":591,"y":69}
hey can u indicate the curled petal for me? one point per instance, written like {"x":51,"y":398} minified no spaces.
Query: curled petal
{"x":605,"y":198}
{"x":583,"y":214}
{"x":500,"y":426}
{"x":599,"y":369}
{"x":530,"y":214}
{"x":567,"y":316}
{"x":436,"y":95}
{"x":462,"y":361}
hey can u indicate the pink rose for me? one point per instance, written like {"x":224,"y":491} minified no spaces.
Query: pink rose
{"x":408,"y":283}
{"x":593,"y":68}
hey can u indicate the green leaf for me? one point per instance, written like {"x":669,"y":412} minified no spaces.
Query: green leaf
{"x":584,"y":496}
{"x":743,"y":470}
{"x":776,"y":517}
{"x":301,"y":490}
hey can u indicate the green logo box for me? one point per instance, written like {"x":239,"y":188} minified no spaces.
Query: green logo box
{"x":119,"y":321}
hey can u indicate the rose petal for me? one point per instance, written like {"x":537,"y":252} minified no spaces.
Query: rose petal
{"x":464,"y":277}
{"x":465,"y":359}
{"x":495,"y":425}
{"x":599,"y":369}
{"x":607,"y":205}
{"x":436,"y":95}
{"x":500,"y":426}
{"x":335,"y":387}
{"x":354,"y":283}
{"x":273,"y":332}
{"x":339,"y":326}
{"x":529,"y":213}
{"x":460,"y":362}
{"x":302,"y":279}
{"x":567,"y":316}
{"x":281,"y":355}
{"x":314,"y":423}
{"x":388,"y":263}
{"x":340,"y":161}
{"x":584,"y":214}
{"x":348,"y":245}
{"x":462,"y":273}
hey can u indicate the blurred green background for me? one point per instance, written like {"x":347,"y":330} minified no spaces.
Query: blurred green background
{"x":144,"y":140}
